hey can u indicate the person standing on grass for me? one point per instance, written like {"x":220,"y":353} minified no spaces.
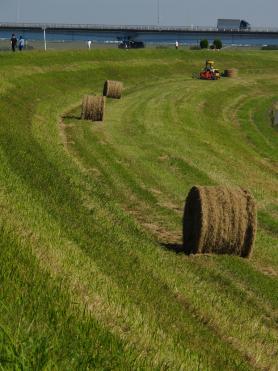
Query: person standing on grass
{"x":21,"y":43}
{"x":13,"y":42}
{"x":89,"y":42}
{"x":177,"y":44}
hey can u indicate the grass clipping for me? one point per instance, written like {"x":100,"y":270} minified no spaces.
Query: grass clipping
{"x":219,"y":220}
{"x":93,"y":108}
{"x":113,"y":89}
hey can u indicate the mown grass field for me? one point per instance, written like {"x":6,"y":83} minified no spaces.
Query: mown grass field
{"x":91,"y":213}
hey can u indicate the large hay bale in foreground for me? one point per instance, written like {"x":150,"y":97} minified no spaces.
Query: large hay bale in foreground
{"x":232,"y":72}
{"x":219,"y":220}
{"x":113,"y":89}
{"x":93,"y":108}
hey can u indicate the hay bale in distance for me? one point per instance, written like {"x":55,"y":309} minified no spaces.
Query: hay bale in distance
{"x":219,"y":220}
{"x":113,"y":89}
{"x":232,"y":72}
{"x":93,"y":108}
{"x":275,"y":114}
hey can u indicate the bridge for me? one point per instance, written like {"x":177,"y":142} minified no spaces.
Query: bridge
{"x":135,"y":28}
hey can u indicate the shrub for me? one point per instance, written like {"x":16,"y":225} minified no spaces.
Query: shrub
{"x":217,"y":44}
{"x":204,"y":44}
{"x":270,"y":47}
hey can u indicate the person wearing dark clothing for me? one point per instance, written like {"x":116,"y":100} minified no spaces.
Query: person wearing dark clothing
{"x":13,"y":42}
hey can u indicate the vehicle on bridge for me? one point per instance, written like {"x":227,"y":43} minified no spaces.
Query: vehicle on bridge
{"x":233,"y":25}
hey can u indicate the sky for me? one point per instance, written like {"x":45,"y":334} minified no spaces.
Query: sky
{"x":259,"y":13}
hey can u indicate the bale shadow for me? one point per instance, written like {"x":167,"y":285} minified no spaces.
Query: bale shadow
{"x":175,"y":247}
{"x":72,"y":117}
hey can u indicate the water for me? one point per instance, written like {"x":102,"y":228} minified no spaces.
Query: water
{"x":147,"y":37}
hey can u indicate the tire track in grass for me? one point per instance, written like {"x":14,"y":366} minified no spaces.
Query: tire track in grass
{"x":115,"y":167}
{"x":255,"y":136}
{"x":233,"y":110}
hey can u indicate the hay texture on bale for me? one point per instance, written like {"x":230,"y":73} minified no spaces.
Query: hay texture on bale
{"x":232,"y":72}
{"x":113,"y":89}
{"x":219,"y":220}
{"x":93,"y":108}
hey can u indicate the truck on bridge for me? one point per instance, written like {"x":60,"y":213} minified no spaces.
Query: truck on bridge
{"x":233,"y":25}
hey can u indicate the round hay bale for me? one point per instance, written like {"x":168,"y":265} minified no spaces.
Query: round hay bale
{"x":232,"y":72}
{"x":113,"y":89}
{"x":274,"y":114}
{"x":93,"y":108}
{"x":219,"y":220}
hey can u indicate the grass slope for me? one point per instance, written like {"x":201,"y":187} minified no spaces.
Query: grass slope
{"x":90,"y":277}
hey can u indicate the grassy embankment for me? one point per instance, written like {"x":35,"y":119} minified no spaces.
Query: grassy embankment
{"x":91,"y":213}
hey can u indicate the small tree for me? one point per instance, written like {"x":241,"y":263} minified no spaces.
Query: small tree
{"x":204,"y":44}
{"x":217,"y":44}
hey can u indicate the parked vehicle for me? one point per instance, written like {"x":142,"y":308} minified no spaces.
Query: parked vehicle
{"x":131,"y":44}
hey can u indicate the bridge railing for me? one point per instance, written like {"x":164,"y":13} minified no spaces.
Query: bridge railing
{"x":141,"y":28}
